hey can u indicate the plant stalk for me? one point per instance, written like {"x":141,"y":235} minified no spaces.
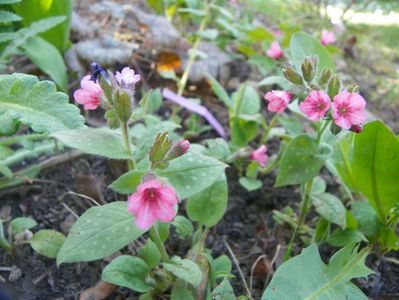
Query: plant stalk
{"x":157,"y":240}
{"x":125,"y":133}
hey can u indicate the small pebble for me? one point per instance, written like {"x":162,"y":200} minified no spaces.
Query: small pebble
{"x":15,"y":274}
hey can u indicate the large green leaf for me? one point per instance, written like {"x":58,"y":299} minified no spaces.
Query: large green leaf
{"x":302,"y":45}
{"x":35,"y":10}
{"x":192,"y":173}
{"x":127,"y":271}
{"x":48,"y":59}
{"x":302,"y":159}
{"x":37,"y":104}
{"x":99,"y":232}
{"x":208,"y":206}
{"x":376,"y":167}
{"x":96,"y":141}
{"x":8,"y":17}
{"x":127,"y":183}
{"x":306,"y":277}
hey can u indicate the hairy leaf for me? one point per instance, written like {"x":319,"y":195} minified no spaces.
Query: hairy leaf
{"x":37,"y":104}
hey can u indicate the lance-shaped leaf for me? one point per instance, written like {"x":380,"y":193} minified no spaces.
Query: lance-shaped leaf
{"x":37,"y":104}
{"x":96,"y":141}
{"x":99,"y":232}
{"x":306,"y":277}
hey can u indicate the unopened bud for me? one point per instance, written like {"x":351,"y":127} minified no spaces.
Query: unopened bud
{"x":353,"y":88}
{"x":123,"y":105}
{"x":178,"y":149}
{"x":325,"y":76}
{"x":292,"y":75}
{"x":333,"y":86}
{"x":159,"y":149}
{"x":308,"y":69}
{"x":356,"y":128}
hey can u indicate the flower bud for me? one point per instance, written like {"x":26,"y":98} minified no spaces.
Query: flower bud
{"x":325,"y":76}
{"x":162,"y":145}
{"x":353,"y":88}
{"x":308,"y":69}
{"x":123,"y":105}
{"x":178,"y":149}
{"x":356,"y":128}
{"x":292,"y":75}
{"x":333,"y":86}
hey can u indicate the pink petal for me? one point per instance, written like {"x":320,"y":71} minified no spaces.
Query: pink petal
{"x":152,"y":183}
{"x":135,"y":203}
{"x":164,"y":211}
{"x":145,"y":218}
{"x":169,"y":195}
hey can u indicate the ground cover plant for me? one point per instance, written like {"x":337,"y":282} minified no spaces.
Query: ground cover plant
{"x":192,"y":150}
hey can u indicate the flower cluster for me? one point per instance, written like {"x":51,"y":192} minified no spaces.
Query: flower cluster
{"x":348,"y":108}
{"x":91,"y":95}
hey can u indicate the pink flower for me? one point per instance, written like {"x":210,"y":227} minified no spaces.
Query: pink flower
{"x":348,"y":109}
{"x":275,"y":51}
{"x":127,"y":78}
{"x":278,"y":100}
{"x":89,"y":94}
{"x":327,"y":37}
{"x":153,"y":200}
{"x":315,"y":106}
{"x":260,"y":156}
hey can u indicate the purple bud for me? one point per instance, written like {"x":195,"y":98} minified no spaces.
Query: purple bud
{"x":356,"y":128}
{"x":178,"y":149}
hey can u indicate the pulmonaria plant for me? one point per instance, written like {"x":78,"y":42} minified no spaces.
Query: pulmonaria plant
{"x":327,"y":37}
{"x":275,"y":51}
{"x":163,"y":171}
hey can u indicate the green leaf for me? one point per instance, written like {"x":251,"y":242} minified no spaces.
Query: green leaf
{"x":330,"y":207}
{"x":9,"y":1}
{"x":250,"y":184}
{"x":376,"y":166}
{"x":35,"y":10}
{"x":46,"y":111}
{"x":345,"y":237}
{"x":25,"y":33}
{"x":127,"y":271}
{"x":219,"y":91}
{"x":6,"y":171}
{"x":243,"y":131}
{"x":224,"y":291}
{"x":191,"y":173}
{"x":366,"y":218}
{"x":180,"y":292}
{"x":96,"y":141}
{"x":208,"y":206}
{"x":47,"y":242}
{"x":217,"y":148}
{"x":48,"y":59}
{"x":306,"y":277}
{"x":7,"y":36}
{"x":127,"y":183}
{"x":278,"y":80}
{"x":302,"y":45}
{"x":19,"y":225}
{"x":150,"y":254}
{"x":184,"y":227}
{"x":185,"y":269}
{"x":246,"y":101}
{"x":302,"y":160}
{"x":99,"y":232}
{"x":8,"y":17}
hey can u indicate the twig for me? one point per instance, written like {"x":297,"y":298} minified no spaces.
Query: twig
{"x":251,"y":278}
{"x":238,"y":268}
{"x":79,"y":195}
{"x":70,"y":210}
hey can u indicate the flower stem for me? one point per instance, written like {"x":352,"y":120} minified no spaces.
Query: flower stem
{"x":266,"y":133}
{"x":158,"y":242}
{"x":321,"y":131}
{"x":125,"y":133}
{"x":302,"y":217}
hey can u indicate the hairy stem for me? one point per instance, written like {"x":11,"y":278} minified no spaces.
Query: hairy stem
{"x":158,"y":242}
{"x":125,"y":133}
